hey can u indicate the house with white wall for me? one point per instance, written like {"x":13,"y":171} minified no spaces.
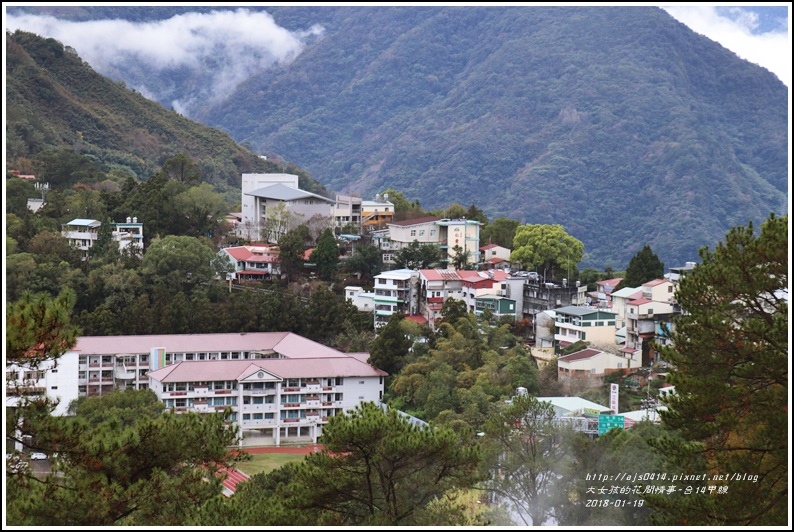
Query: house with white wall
{"x":395,"y":291}
{"x":590,"y":324}
{"x":83,"y":233}
{"x":302,"y":382}
{"x":360,"y":298}
{"x":493,"y":256}
{"x":446,"y":234}
{"x":252,"y":262}
{"x":593,"y":364}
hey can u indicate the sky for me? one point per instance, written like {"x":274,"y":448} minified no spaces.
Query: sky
{"x":234,"y":44}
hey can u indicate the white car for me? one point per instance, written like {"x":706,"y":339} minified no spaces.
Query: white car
{"x":38,"y":456}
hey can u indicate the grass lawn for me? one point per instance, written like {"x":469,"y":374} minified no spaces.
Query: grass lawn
{"x":265,"y":463}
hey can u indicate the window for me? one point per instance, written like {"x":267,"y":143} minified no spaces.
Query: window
{"x":421,"y":232}
{"x":413,"y":232}
{"x":246,"y":417}
{"x":361,"y":382}
{"x":258,"y":416}
{"x":592,"y":371}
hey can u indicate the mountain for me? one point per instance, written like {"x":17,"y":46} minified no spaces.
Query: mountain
{"x":619,"y":123}
{"x":55,"y":100}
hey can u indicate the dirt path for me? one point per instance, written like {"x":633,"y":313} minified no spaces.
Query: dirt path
{"x":306,"y":449}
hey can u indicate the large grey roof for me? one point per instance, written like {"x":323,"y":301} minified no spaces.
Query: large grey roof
{"x":582,"y":311}
{"x":283,"y":192}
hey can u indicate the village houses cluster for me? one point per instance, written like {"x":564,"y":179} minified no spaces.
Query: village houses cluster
{"x":280,"y":386}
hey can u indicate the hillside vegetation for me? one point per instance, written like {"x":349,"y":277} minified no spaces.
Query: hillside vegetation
{"x":620,"y":124}
{"x":55,"y":101}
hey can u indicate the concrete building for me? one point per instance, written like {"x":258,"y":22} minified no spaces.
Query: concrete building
{"x":395,"y":291}
{"x":450,"y":236}
{"x":277,"y":385}
{"x":83,"y":233}
{"x":594,"y":325}
{"x":272,"y":205}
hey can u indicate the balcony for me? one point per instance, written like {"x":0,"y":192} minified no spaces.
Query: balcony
{"x":124,"y":373}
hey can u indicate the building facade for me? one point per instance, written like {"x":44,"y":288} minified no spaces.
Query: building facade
{"x":83,"y":233}
{"x":395,"y":291}
{"x":251,"y":262}
{"x":594,"y":325}
{"x":298,"y":383}
{"x":273,"y":205}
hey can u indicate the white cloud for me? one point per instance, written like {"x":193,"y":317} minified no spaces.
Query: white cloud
{"x":226,"y":45}
{"x":737,"y":32}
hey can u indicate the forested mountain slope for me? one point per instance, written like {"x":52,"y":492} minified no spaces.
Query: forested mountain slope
{"x":621,"y":124}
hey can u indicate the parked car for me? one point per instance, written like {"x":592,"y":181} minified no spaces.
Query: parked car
{"x":38,"y":456}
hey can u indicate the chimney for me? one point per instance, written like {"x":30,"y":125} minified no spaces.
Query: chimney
{"x":135,"y":219}
{"x":129,"y":219}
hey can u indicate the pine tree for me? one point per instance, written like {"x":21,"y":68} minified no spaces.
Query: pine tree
{"x":730,"y":358}
{"x":326,"y":255}
{"x":644,"y":266}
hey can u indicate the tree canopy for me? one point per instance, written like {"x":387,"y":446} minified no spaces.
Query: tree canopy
{"x":326,"y":255}
{"x":544,"y":247}
{"x":644,"y":266}
{"x":125,"y":465}
{"x":730,"y":357}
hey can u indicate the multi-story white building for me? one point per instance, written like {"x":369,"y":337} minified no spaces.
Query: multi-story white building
{"x":82,"y":234}
{"x":275,"y":384}
{"x":347,"y":212}
{"x":263,"y":196}
{"x":129,"y":235}
{"x":395,"y":291}
{"x":450,"y":236}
